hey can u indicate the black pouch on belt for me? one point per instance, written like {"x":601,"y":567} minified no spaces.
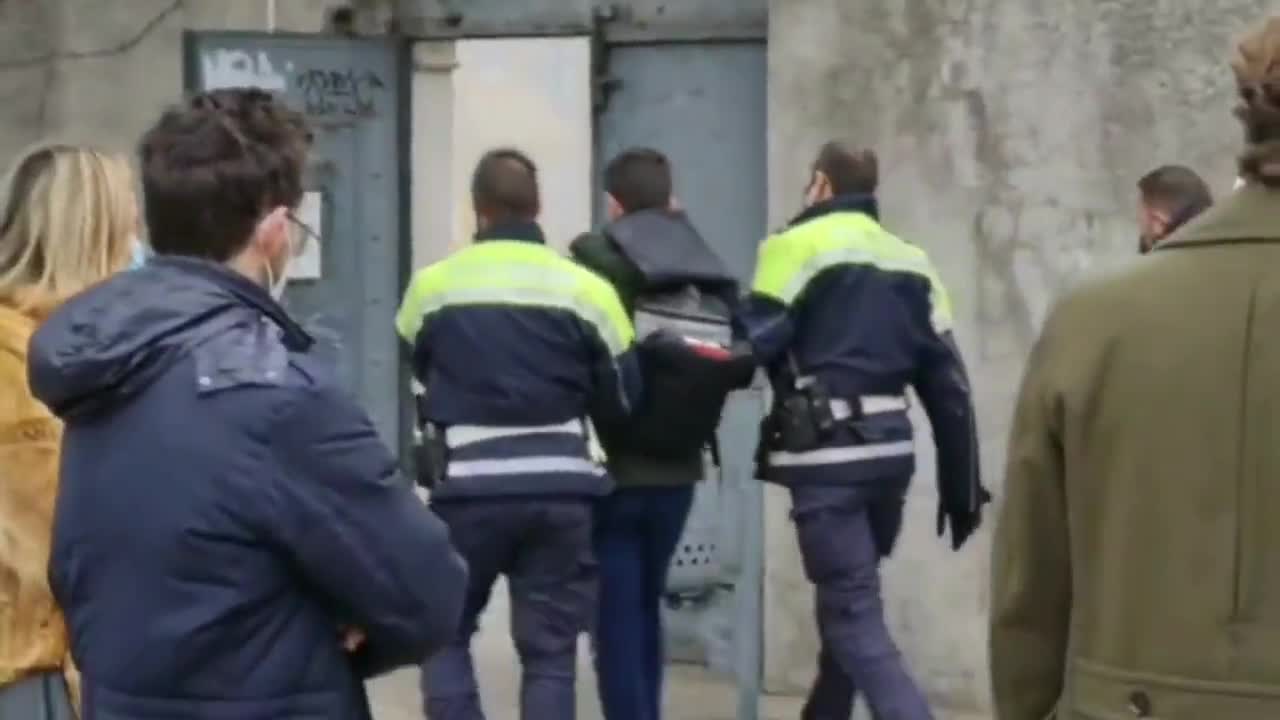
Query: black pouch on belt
{"x":431,"y":456}
{"x":804,"y":419}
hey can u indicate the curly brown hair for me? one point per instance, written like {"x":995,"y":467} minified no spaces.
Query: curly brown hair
{"x":213,"y":166}
{"x":1257,"y":69}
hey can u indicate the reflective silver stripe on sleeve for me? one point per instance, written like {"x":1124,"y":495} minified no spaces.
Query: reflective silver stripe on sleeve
{"x":840,"y":455}
{"x":524,"y":466}
{"x":457,"y":436}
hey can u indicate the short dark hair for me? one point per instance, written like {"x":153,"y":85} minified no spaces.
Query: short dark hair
{"x":215,"y":164}
{"x":849,"y":171}
{"x":639,"y":179}
{"x":1175,"y":189}
{"x":505,"y":186}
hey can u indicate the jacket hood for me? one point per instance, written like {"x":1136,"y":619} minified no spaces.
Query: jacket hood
{"x":667,"y":249}
{"x":104,"y":346}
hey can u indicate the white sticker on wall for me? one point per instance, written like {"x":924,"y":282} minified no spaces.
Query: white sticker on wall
{"x":307,"y":266}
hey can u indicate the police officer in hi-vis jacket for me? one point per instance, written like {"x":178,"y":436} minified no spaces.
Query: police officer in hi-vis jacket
{"x":517,"y":347}
{"x":845,"y":316}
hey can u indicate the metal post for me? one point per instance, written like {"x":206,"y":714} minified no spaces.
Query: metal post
{"x":749,"y":596}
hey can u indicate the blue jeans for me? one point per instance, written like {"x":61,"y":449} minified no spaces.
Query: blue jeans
{"x":636,"y":533}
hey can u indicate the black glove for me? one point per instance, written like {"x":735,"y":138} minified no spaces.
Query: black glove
{"x":963,"y":522}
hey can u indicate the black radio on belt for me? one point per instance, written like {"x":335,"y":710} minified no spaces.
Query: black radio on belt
{"x":804,"y":420}
{"x":431,"y":456}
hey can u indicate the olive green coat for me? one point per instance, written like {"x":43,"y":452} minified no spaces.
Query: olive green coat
{"x":1137,"y":555}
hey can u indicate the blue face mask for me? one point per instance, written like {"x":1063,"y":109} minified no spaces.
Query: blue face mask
{"x":139,"y":255}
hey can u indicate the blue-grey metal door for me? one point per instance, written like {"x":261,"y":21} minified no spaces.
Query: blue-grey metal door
{"x":346,"y":288}
{"x":703,"y":105}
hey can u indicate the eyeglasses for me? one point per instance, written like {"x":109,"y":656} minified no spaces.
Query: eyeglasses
{"x":307,"y":233}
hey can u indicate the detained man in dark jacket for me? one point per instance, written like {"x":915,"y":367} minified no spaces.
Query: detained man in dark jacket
{"x":648,"y":244}
{"x":232,"y":540}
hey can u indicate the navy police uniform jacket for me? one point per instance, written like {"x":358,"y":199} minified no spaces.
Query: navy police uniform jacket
{"x":224,"y":509}
{"x":516,"y":348}
{"x":838,"y":298}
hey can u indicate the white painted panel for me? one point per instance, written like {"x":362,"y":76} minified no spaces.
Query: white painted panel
{"x":434,"y":183}
{"x":533,"y":94}
{"x":307,"y":266}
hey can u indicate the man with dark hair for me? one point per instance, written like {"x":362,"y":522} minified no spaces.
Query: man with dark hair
{"x":844,"y":315}
{"x":674,"y":287}
{"x":846,"y":171}
{"x":516,"y":348}
{"x":1170,"y":196}
{"x":232,"y":538}
{"x":637,"y":179}
{"x":504,"y":187}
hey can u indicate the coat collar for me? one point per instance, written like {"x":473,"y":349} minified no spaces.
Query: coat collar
{"x":865,"y":204}
{"x":246,"y":291}
{"x":525,"y":231}
{"x":1248,"y":215}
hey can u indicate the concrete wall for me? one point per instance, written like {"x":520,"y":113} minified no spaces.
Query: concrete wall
{"x":101,"y":72}
{"x":471,"y":96}
{"x":1011,"y":133}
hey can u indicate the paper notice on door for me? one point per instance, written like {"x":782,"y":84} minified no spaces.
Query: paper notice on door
{"x":307,"y":266}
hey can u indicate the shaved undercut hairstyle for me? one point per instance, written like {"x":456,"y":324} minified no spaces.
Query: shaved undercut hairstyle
{"x":850,"y":171}
{"x":1175,"y":189}
{"x":504,"y":187}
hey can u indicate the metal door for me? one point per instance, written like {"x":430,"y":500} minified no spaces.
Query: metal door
{"x":703,"y":105}
{"x":346,"y":287}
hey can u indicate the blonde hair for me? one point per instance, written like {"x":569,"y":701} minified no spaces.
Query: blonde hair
{"x":67,"y":218}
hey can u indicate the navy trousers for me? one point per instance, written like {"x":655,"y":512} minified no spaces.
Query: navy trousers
{"x":843,"y":531}
{"x":637,"y":530}
{"x":543,"y":547}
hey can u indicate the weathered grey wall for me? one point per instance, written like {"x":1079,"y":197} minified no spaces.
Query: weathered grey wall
{"x":1011,"y":133}
{"x":101,"y":71}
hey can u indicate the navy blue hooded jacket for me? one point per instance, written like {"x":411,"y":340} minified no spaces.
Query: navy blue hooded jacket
{"x":224,"y":508}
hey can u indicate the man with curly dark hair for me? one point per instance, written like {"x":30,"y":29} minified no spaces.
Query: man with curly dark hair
{"x":232,"y":541}
{"x":1135,"y":567}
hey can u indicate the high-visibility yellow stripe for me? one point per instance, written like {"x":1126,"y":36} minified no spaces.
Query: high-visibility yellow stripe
{"x":791,"y":259}
{"x":510,"y":272}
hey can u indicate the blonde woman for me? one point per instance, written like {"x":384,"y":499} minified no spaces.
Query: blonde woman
{"x":68,"y":216}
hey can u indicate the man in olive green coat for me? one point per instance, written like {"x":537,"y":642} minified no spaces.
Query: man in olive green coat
{"x":1137,"y":556}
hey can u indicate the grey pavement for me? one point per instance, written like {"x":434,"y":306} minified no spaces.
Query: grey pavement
{"x":692,"y":693}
